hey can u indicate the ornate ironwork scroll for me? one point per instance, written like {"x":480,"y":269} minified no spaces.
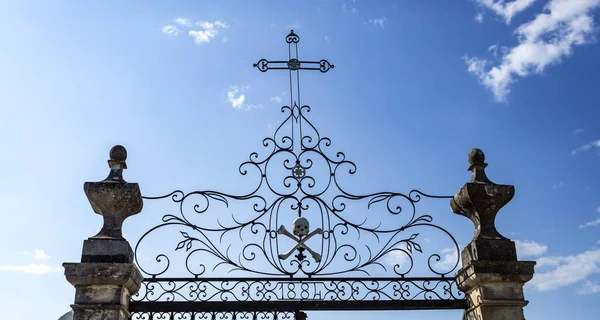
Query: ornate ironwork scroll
{"x":298,"y":237}
{"x":204,"y":315}
{"x":295,"y":182}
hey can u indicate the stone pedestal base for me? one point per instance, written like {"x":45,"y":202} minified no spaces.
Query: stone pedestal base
{"x":494,"y":289}
{"x":102,"y":290}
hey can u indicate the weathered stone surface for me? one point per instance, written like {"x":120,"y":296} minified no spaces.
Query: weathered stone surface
{"x":106,"y":278}
{"x":114,"y":198}
{"x":102,"y":290}
{"x":106,"y":250}
{"x":480,"y":200}
{"x":114,"y":202}
{"x":491,"y":276}
{"x":489,"y":250}
{"x":124,"y":274}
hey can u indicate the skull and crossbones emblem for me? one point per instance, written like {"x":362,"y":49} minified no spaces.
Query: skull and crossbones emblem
{"x":300,"y":229}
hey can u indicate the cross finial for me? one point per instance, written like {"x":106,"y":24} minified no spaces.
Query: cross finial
{"x":293,"y":64}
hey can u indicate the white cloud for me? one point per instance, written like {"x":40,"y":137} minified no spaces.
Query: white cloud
{"x":37,"y":254}
{"x":200,"y":31}
{"x":32,"y":268}
{"x":184,"y":22}
{"x":235,"y":97}
{"x":276,"y":99}
{"x":589,"y":287}
{"x":506,"y":9}
{"x":587,"y":147}
{"x":590,"y":224}
{"x":397,"y":257}
{"x":578,"y":131}
{"x":170,"y":30}
{"x":543,"y":41}
{"x":530,"y":248}
{"x":202,"y":36}
{"x":479,"y":17}
{"x":565,"y":270}
{"x":206,"y":31}
{"x":448,"y":260}
{"x":378,"y":22}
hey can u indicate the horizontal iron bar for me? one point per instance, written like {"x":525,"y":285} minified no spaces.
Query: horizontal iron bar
{"x":288,"y":279}
{"x":304,"y":305}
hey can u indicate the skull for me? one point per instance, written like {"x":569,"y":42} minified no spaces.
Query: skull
{"x":300,"y":226}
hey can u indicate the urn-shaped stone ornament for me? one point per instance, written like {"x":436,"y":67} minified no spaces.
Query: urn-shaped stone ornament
{"x":480,"y":200}
{"x":114,"y":198}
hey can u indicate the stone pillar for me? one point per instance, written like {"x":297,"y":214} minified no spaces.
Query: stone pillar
{"x":491,"y":277}
{"x":106,"y":277}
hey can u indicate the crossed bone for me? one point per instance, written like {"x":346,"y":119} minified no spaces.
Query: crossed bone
{"x":282,"y":230}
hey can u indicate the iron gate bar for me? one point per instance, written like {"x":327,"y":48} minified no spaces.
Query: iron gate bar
{"x":311,"y":305}
{"x":285,"y":289}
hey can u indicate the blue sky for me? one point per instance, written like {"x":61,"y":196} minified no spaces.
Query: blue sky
{"x":416,"y":85}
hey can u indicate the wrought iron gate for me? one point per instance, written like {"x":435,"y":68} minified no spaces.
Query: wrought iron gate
{"x":299,"y":241}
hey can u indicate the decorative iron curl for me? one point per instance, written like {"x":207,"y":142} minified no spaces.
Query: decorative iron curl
{"x":207,"y":315}
{"x":262,"y":65}
{"x":303,"y":188}
{"x":292,"y":37}
{"x":326,"y":289}
{"x":325,"y":65}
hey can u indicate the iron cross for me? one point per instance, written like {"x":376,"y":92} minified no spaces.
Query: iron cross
{"x":293,"y":64}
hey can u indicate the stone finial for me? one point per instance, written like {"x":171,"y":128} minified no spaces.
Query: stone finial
{"x":491,"y":277}
{"x":480,"y":200}
{"x":118,"y":155}
{"x":114,"y":198}
{"x":477,"y":166}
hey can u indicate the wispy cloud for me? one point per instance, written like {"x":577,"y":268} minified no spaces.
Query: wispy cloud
{"x":506,"y":9}
{"x":543,"y":41}
{"x":586,"y":147}
{"x":170,"y":30}
{"x":378,"y":22}
{"x":479,"y":17}
{"x":559,"y":271}
{"x":347,"y":9}
{"x":530,"y":248}
{"x":206,"y":31}
{"x":37,"y":254}
{"x":200,"y":31}
{"x":589,"y":287}
{"x":558,"y":185}
{"x":397,"y":258}
{"x":236,"y":96}
{"x":448,"y":260}
{"x":33,"y":268}
{"x":184,"y":22}
{"x":278,"y":98}
{"x":591,"y":223}
{"x":578,"y":131}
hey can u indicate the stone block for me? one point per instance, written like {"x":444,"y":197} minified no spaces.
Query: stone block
{"x":106,"y":251}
